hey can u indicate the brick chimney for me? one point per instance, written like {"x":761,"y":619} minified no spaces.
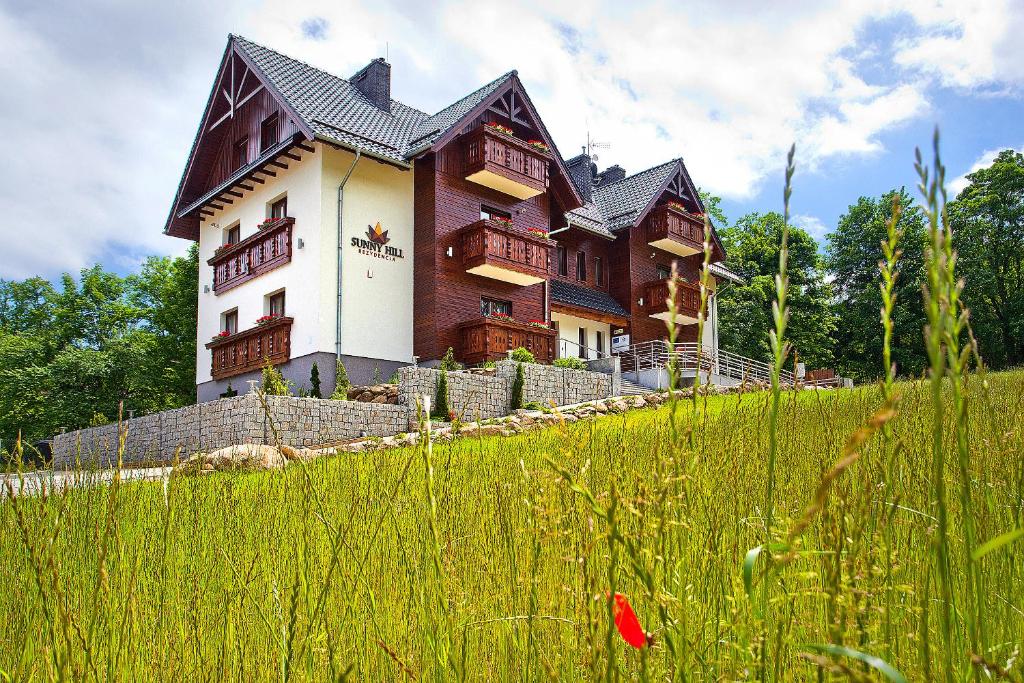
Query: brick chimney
{"x":610,"y":175}
{"x":374,"y":81}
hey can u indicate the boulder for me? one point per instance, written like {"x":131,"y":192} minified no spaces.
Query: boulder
{"x":246,"y":457}
{"x":379,"y":398}
{"x":600,"y":407}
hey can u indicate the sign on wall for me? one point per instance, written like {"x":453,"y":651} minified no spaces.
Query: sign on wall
{"x":376,"y":244}
{"x":620,"y":343}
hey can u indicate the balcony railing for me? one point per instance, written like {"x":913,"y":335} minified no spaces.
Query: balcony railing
{"x":251,"y":349}
{"x":506,"y":164}
{"x":269,"y":248}
{"x":687,"y":301}
{"x":675,"y":231}
{"x":492,"y":338}
{"x":496,"y":251}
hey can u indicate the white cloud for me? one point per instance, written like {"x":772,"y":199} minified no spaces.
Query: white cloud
{"x":985,"y":159}
{"x":813,"y":225}
{"x":105,"y":98}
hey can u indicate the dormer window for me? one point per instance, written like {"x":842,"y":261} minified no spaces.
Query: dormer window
{"x":268,"y":132}
{"x":241,"y":153}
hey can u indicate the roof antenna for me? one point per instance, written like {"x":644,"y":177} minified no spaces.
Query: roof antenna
{"x":593,"y":144}
{"x":387,"y":51}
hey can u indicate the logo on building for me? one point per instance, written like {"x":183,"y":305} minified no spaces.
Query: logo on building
{"x":376,"y":244}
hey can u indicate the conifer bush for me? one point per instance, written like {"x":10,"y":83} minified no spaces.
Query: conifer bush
{"x":314,"y":382}
{"x":342,"y":383}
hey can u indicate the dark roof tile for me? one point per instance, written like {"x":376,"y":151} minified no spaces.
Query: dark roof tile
{"x":584,"y":297}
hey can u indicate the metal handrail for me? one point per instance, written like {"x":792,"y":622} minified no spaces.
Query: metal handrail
{"x":657,"y":354}
{"x":592,"y":354}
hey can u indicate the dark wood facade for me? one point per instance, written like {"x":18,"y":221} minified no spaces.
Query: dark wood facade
{"x":257,"y":254}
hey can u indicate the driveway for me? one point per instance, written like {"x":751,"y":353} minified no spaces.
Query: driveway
{"x":32,"y":483}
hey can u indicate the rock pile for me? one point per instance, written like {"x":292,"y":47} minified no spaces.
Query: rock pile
{"x":374,"y":393}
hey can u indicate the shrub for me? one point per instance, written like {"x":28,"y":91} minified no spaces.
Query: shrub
{"x":521,"y":355}
{"x":448,"y":361}
{"x":377,"y":379}
{"x":314,"y":381}
{"x":342,"y":384}
{"x":517,"y":385}
{"x":393,"y":379}
{"x":229,"y":392}
{"x":488,"y":365}
{"x":533,"y":405}
{"x":440,"y":408}
{"x":274,"y":383}
{"x":571,"y":362}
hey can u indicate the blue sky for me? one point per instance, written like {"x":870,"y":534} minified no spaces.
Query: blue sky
{"x":105,"y":96}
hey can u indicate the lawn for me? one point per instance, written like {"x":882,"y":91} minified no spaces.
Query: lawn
{"x":493,"y":559}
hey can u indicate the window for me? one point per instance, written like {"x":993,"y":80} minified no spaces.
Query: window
{"x":230,"y":321}
{"x":583,"y":342}
{"x":241,"y":154}
{"x":268,"y":132}
{"x":600,"y":344}
{"x":234,"y":235}
{"x":276,"y":304}
{"x":279,"y":209}
{"x":599,"y":271}
{"x":492,"y":306}
{"x":664,"y":272}
{"x":563,"y":261}
{"x":487,"y":213}
{"x":581,"y":266}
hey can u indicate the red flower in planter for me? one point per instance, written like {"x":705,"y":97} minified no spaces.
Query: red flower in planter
{"x":264,"y":319}
{"x":502,"y":221}
{"x":677,"y":206}
{"x":538,"y":323}
{"x":501,"y":316}
{"x":539,"y":232}
{"x":223,"y":334}
{"x":538,"y":144}
{"x":498,"y":128}
{"x":627,"y":623}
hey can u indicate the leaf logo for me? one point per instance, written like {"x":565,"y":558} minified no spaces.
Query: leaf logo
{"x":376,"y":234}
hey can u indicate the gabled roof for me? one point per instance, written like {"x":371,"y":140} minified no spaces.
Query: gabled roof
{"x":433,"y":127}
{"x":334,"y":108}
{"x":584,"y":297}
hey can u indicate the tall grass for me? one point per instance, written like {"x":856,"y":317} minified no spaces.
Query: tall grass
{"x":498,"y":559}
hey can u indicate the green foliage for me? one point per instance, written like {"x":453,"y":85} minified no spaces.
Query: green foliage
{"x":987,"y":219}
{"x":745,"y":310}
{"x":394,"y":378}
{"x":87,"y":346}
{"x":571,"y":362}
{"x":274,"y":383}
{"x":229,"y":392}
{"x":521,"y":355}
{"x":314,"y":381}
{"x":852,"y":256}
{"x":342,"y":383}
{"x":440,"y":408}
{"x":517,"y":387}
{"x":448,"y":361}
{"x":533,"y":405}
{"x":488,"y":365}
{"x":377,"y":378}
{"x":713,"y":207}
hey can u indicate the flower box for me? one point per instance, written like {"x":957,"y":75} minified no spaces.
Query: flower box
{"x":502,"y":221}
{"x":223,"y":334}
{"x":538,"y":323}
{"x":498,"y":128}
{"x":501,"y":316}
{"x":268,"y":223}
{"x":267,"y":319}
{"x":539,"y":232}
{"x":677,"y":206}
{"x":537,"y":144}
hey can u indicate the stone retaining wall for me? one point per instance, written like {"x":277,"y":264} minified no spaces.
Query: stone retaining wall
{"x":311,"y":422}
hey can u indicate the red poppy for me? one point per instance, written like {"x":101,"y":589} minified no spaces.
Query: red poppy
{"x":627,"y":623}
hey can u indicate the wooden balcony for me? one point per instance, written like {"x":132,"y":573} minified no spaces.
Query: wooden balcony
{"x":268,"y":249}
{"x":491,"y":339}
{"x":250,"y":349}
{"x":675,"y":231}
{"x":506,"y":164}
{"x":497,"y":251}
{"x":687,"y":301}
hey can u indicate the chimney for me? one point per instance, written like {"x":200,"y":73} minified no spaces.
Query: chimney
{"x":582,"y":170}
{"x":610,"y":175}
{"x":374,"y":81}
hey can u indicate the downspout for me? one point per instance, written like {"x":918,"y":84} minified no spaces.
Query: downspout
{"x":341,"y":204}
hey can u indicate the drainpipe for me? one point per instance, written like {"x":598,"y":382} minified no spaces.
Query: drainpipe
{"x":341,"y":204}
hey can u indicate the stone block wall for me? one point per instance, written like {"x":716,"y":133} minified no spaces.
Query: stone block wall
{"x":470,"y":395}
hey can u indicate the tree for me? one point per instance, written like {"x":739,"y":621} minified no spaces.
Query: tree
{"x":744,"y":309}
{"x":314,"y":381}
{"x":274,"y":384}
{"x":440,"y":410}
{"x":517,"y":387}
{"x":852,"y":256}
{"x":713,"y":205}
{"x":341,"y":383}
{"x":987,"y":218}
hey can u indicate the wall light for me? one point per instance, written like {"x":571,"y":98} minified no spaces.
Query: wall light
{"x":449,"y":252}
{"x":301,"y":244}
{"x":369,"y":272}
{"x":206,"y":289}
{"x":641,"y":302}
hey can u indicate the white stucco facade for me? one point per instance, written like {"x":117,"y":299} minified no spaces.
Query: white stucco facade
{"x":376,"y":292}
{"x":569,"y":335}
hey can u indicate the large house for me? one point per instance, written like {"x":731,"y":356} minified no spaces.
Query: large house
{"x":334,"y":221}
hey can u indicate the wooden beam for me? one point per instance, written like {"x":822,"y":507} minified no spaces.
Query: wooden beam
{"x":220,"y":121}
{"x":224,"y":200}
{"x":279,"y":164}
{"x":267,"y":172}
{"x":247,"y":188}
{"x":233,"y":193}
{"x":293,"y":157}
{"x":248,"y":97}
{"x":206,"y":212}
{"x":305,"y":148}
{"x":218,"y":207}
{"x":257,"y":180}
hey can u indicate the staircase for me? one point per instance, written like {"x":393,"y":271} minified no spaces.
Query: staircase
{"x":632,"y":388}
{"x":647,"y":364}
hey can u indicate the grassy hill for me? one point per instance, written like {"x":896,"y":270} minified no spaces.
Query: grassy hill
{"x":492,"y":558}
